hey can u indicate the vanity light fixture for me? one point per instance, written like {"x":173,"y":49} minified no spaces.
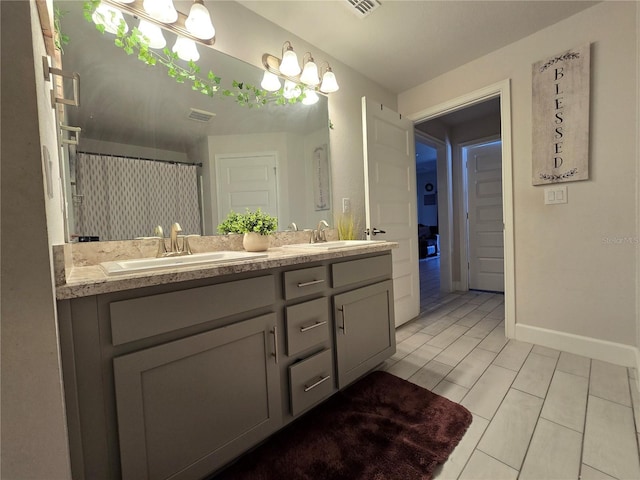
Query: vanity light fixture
{"x":153,"y":33}
{"x":109,"y":17}
{"x":199,"y":21}
{"x":329,"y":83}
{"x":161,"y":10}
{"x":309,"y":75}
{"x":289,"y":69}
{"x":291,"y":90}
{"x":310,"y":97}
{"x":289,"y":66}
{"x":186,"y":49}
{"x":270,"y":82}
{"x":197,"y":26}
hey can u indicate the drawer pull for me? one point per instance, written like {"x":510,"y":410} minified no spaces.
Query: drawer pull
{"x":321,"y":380}
{"x":312,"y":282}
{"x":311,"y":327}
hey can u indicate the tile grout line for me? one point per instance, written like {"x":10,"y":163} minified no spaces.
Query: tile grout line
{"x":544,"y":399}
{"x":633,"y":408}
{"x":492,"y":417}
{"x":584,"y":424}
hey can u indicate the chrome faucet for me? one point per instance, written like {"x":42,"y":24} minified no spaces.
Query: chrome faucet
{"x":319,"y":235}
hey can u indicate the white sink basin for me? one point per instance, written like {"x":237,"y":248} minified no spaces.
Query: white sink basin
{"x":334,"y":244}
{"x":123,"y":267}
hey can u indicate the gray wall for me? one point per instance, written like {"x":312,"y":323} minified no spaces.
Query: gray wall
{"x":34,"y":441}
{"x":570,"y":279}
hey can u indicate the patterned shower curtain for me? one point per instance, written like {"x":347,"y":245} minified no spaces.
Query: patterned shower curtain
{"x":124,"y":198}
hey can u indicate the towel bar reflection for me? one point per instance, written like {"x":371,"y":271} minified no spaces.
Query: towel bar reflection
{"x":74,"y":76}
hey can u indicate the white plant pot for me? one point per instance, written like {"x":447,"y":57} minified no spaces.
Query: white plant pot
{"x":254,"y":242}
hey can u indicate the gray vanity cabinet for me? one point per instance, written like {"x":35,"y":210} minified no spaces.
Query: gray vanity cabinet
{"x":189,"y":406}
{"x":177,"y":380}
{"x":364,"y":317}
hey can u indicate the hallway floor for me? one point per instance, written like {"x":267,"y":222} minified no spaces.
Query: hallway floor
{"x":538,"y":413}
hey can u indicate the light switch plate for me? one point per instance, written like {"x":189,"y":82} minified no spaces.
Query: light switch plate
{"x":555,"y":195}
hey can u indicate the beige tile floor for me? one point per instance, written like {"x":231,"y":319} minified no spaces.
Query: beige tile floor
{"x":538,"y":413}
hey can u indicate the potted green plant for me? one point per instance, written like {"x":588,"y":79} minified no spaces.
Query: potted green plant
{"x":255,"y":225}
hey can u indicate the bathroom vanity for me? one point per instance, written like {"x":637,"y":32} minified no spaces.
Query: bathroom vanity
{"x":174,"y":374}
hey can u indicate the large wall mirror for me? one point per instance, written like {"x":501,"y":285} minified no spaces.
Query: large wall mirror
{"x":152,"y":151}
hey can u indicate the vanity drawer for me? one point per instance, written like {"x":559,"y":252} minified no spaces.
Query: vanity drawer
{"x":144,"y":317}
{"x":303,"y":282}
{"x":307,"y":325}
{"x":354,"y":271}
{"x":310,"y":381}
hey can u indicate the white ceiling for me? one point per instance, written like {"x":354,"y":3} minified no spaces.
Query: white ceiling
{"x":403,"y":43}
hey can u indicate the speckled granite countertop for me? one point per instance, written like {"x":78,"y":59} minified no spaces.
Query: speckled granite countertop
{"x":74,"y":281}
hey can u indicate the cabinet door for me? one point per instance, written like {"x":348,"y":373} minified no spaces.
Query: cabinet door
{"x":364,"y":330}
{"x":188,"y":407}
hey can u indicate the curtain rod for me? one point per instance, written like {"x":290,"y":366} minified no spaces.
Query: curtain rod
{"x":173,"y":162}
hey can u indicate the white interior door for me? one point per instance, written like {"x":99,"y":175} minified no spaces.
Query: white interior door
{"x":485,"y":223}
{"x":246,"y":181}
{"x":390,"y":199}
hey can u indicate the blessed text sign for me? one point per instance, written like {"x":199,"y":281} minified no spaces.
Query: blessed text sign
{"x":561,"y":117}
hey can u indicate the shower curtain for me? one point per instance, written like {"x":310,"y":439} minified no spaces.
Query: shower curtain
{"x":123,"y":198}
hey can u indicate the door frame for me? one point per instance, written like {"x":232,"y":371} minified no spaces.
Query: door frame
{"x":443,"y":172}
{"x":500,"y":90}
{"x":464,"y":207}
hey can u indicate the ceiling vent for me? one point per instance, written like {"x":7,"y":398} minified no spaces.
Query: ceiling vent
{"x":200,"y":115}
{"x":362,"y":8}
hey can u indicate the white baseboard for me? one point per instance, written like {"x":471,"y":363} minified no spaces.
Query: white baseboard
{"x":616,"y":353}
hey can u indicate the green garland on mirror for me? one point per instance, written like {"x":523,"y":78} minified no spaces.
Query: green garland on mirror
{"x":59,"y":39}
{"x":134,"y":41}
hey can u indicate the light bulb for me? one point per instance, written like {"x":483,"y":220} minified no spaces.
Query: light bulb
{"x":153,"y":33}
{"x":310,"y":74}
{"x":109,"y":17}
{"x":329,"y":83}
{"x":289,"y":66}
{"x":310,"y":97}
{"x":186,"y":49}
{"x":161,"y":10}
{"x":198,"y":23}
{"x":270,"y":82}
{"x":291,"y":90}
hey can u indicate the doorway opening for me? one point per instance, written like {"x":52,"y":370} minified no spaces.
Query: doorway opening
{"x":454,"y":131}
{"x":428,"y":149}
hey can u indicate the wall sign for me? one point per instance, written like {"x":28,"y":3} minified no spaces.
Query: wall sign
{"x":560,"y":117}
